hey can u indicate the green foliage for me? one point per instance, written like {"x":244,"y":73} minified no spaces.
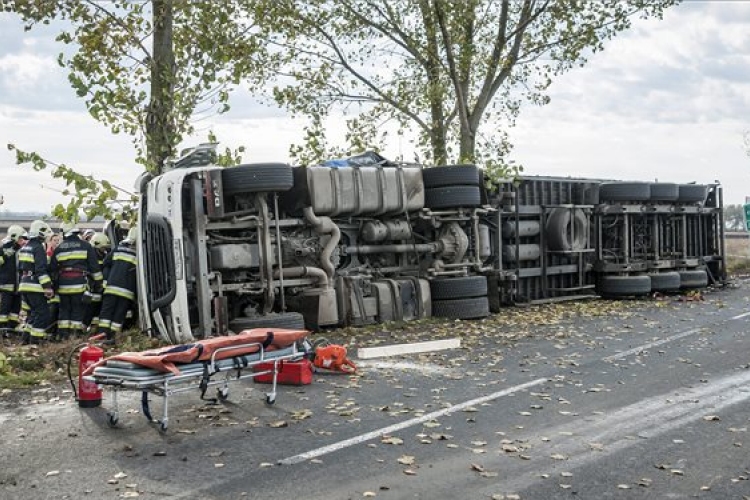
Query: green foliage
{"x":454,"y":72}
{"x":87,"y":195}
{"x":734,"y":218}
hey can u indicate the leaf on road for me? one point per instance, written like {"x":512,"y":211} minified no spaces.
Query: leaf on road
{"x":477,"y":467}
{"x":566,"y":474}
{"x":120,"y":475}
{"x":302,"y":414}
{"x":566,"y":486}
{"x":410,"y":472}
{"x":53,"y":473}
{"x":278,"y":424}
{"x":677,"y":472}
{"x":391,"y":440}
{"x":369,"y":494}
{"x":711,"y":418}
{"x":130,"y":494}
{"x":406,"y":460}
{"x":558,"y":456}
{"x":509,"y":448}
{"x":645,"y":482}
{"x":623,"y":486}
{"x":488,"y":474}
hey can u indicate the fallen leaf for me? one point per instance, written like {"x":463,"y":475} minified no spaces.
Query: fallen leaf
{"x":558,"y":456}
{"x":488,"y":474}
{"x":566,"y":474}
{"x":53,"y":473}
{"x":265,"y":465}
{"x":278,"y":424}
{"x":369,"y":494}
{"x":218,"y":466}
{"x":645,"y":482}
{"x":410,"y":472}
{"x":120,"y":475}
{"x":711,"y":418}
{"x":477,"y":467}
{"x":623,"y":486}
{"x":566,"y":486}
{"x":677,"y":472}
{"x":391,"y":440}
{"x":130,"y":494}
{"x":406,"y":460}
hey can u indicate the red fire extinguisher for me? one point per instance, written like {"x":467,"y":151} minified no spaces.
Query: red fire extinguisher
{"x":88,"y":394}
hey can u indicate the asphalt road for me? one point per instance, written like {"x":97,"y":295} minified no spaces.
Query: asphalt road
{"x":649,"y":399}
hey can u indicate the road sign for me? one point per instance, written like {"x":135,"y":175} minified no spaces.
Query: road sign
{"x":746,"y":209}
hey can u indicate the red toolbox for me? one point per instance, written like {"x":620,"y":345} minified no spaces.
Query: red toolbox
{"x":290,"y":372}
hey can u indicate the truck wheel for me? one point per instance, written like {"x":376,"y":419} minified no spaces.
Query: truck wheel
{"x":567,"y":229}
{"x":623,"y":286}
{"x":458,"y":288}
{"x":473,"y":308}
{"x":451,"y":175}
{"x":664,"y":191}
{"x":625,"y":191}
{"x":257,"y":178}
{"x":665,"y":282}
{"x":290,"y":320}
{"x":693,"y":278}
{"x":692,"y":193}
{"x":453,"y":197}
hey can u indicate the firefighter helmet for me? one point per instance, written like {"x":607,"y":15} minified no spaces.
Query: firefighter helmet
{"x":39,"y":228}
{"x":132,"y":235}
{"x":100,"y":240}
{"x":69,"y":228}
{"x":15,"y":231}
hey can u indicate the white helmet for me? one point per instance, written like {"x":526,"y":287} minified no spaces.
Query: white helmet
{"x":39,"y":228}
{"x":132,"y":235}
{"x":68,"y":228}
{"x":15,"y":231}
{"x":100,"y":240}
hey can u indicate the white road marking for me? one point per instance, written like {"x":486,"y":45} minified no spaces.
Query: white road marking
{"x":641,"y":348}
{"x":424,"y":368}
{"x":740,"y":316}
{"x":648,"y":418}
{"x":403,"y":425}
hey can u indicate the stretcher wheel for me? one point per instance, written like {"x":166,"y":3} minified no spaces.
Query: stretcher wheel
{"x":163,"y":426}
{"x":112,"y":419}
{"x":270,"y":399}
{"x":222,"y":393}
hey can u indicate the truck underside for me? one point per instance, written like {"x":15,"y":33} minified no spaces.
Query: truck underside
{"x":226,"y":249}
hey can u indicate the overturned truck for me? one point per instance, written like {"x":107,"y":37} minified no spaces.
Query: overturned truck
{"x":367,"y":241}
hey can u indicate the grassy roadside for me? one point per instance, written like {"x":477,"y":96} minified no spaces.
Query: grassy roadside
{"x":26,"y":366}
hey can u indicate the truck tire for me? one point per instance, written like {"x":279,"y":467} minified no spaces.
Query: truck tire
{"x":664,"y":191}
{"x":473,"y":308}
{"x":290,"y":320}
{"x":692,"y":193}
{"x":623,"y":286}
{"x":567,"y":229}
{"x":458,"y":288}
{"x":693,"y":278}
{"x":625,"y":191}
{"x":453,"y":197}
{"x":452,"y":175}
{"x":665,"y":282}
{"x":257,"y":178}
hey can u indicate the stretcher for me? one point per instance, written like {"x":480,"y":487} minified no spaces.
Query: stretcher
{"x":232,"y":359}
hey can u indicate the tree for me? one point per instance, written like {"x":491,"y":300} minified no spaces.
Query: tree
{"x":453,"y":70}
{"x":734,"y":218}
{"x":149,"y":69}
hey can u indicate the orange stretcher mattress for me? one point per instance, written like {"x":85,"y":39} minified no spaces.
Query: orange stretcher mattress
{"x":166,"y":359}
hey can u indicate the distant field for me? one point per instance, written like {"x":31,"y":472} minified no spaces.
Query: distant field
{"x":738,"y":255}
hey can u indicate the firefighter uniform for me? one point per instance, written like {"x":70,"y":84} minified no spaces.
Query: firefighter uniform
{"x":35,"y":282}
{"x":73,"y":263}
{"x":101,"y":245}
{"x":119,"y":287}
{"x":10,"y":299}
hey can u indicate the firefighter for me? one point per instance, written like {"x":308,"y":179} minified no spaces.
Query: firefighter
{"x":102,"y":246}
{"x":74,"y":263}
{"x":35,"y":284}
{"x":10,"y":299}
{"x":119,"y":287}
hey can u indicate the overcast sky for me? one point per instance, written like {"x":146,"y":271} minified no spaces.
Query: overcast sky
{"x":668,"y":101}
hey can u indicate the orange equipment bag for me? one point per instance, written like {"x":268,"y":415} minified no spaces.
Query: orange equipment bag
{"x":333,"y":357}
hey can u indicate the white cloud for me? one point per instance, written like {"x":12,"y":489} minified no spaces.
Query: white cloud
{"x":668,"y":100}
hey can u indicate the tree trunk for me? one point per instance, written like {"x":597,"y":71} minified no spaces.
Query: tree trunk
{"x":468,"y":143}
{"x":160,"y":130}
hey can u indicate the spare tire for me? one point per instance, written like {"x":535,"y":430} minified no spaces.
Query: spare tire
{"x":452,"y":175}
{"x":567,"y":229}
{"x":692,"y":193}
{"x":693,"y":278}
{"x":623,"y":286}
{"x":477,"y":307}
{"x":458,"y":288}
{"x":257,"y":178}
{"x":664,"y":191}
{"x":625,"y":191}
{"x":453,"y":197}
{"x":665,"y":282}
{"x":290,"y":320}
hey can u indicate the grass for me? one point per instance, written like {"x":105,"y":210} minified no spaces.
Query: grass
{"x":29,"y":366}
{"x":738,"y":256}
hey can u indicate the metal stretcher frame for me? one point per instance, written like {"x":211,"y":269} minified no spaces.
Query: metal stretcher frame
{"x":129,"y":377}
